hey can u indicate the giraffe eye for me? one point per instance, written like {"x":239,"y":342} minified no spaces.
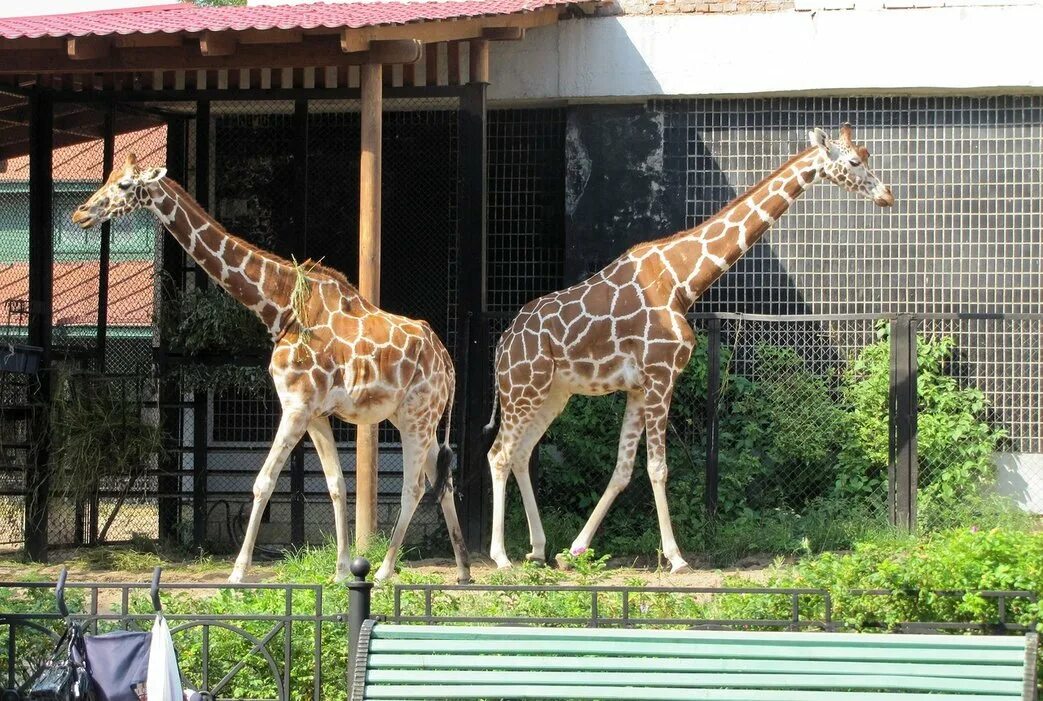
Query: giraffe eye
{"x":855,"y":162}
{"x":124,"y":184}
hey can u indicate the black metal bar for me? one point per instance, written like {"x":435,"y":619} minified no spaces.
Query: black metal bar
{"x":472,"y":354}
{"x":219,"y":95}
{"x":902,"y":467}
{"x":104,"y":257}
{"x":108,"y":155}
{"x":300,"y":225}
{"x":170,"y":416}
{"x":41,"y":274}
{"x":200,"y":421}
{"x":358,"y":608}
{"x":713,"y":391}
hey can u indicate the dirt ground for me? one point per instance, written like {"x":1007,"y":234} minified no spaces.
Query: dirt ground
{"x":95,"y":566}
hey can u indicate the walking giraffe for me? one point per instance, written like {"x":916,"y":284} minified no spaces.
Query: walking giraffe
{"x":335,"y":354}
{"x":624,"y":330}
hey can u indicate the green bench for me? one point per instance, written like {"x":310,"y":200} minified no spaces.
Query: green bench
{"x":452,"y":662}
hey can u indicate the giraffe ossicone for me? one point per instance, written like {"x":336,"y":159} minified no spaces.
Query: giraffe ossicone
{"x":335,"y":354}
{"x":624,"y":330}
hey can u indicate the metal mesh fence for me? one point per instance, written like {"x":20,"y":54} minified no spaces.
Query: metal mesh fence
{"x":14,"y":322}
{"x":979,"y":415}
{"x":965,"y":235}
{"x":256,"y":152}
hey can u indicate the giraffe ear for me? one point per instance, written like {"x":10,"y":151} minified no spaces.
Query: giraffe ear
{"x":153,"y":174}
{"x":817,"y":137}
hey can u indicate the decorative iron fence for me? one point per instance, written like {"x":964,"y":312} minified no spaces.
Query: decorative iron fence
{"x":283,"y":646}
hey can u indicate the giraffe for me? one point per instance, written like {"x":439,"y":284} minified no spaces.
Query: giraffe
{"x":335,"y":354}
{"x":624,"y":330}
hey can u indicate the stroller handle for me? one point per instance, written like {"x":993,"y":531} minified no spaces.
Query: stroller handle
{"x":157,"y":605}
{"x":59,"y":593}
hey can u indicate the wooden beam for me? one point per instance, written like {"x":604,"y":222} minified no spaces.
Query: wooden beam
{"x":453,"y":62}
{"x":479,"y":61}
{"x":217,"y":43}
{"x":503,"y":33}
{"x":366,"y":459}
{"x":395,"y":51}
{"x":313,"y":51}
{"x":26,"y":43}
{"x":270,"y":36}
{"x":353,"y":40}
{"x":87,"y":48}
{"x":142,"y":41}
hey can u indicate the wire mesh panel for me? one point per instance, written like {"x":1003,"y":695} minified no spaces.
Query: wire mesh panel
{"x":14,"y":322}
{"x":793,"y":454}
{"x":258,"y":176}
{"x":980,"y":393}
{"x":964,"y":234}
{"x":526,"y":181}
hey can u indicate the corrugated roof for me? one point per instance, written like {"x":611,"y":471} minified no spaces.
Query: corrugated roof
{"x":84,"y":161}
{"x":75,"y":297}
{"x":177,"y":18}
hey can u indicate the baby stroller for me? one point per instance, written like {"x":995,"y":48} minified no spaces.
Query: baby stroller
{"x":116,"y":666}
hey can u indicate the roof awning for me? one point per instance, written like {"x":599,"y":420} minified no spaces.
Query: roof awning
{"x":188,"y":37}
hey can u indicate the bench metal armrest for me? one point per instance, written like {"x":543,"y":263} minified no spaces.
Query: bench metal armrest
{"x":357,"y":685}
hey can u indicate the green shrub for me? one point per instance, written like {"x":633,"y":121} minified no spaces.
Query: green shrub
{"x":968,"y":559}
{"x":955,"y":443}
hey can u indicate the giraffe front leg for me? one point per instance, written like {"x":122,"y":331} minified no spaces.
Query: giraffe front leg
{"x":291,"y":428}
{"x":325,"y":445}
{"x":656,"y":417}
{"x":629,"y":437}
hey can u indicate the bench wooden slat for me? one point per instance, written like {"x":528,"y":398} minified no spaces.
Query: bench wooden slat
{"x":496,"y":691}
{"x":699,"y":650}
{"x":675,"y":680}
{"x":433,"y":660}
{"x":717,"y":637}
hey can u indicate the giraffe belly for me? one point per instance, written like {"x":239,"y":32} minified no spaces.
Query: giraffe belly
{"x":364,"y":405}
{"x":594,"y":378}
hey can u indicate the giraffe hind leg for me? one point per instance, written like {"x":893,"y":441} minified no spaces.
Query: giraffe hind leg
{"x":415,"y":450}
{"x":452,"y":522}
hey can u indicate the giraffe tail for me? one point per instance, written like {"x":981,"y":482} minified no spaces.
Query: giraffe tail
{"x":445,"y":454}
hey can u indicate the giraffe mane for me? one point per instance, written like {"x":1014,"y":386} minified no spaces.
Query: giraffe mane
{"x":314,"y":268}
{"x":750,"y":190}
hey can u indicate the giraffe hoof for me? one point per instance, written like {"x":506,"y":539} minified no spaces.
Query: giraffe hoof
{"x":563,"y":562}
{"x":537,"y":559}
{"x":680,"y":568}
{"x":464,"y":581}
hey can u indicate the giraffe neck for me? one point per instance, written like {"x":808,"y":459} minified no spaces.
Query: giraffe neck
{"x":712,"y":247}
{"x":259,"y":280}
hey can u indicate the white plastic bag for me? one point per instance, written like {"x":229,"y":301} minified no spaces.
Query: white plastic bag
{"x":164,"y":678}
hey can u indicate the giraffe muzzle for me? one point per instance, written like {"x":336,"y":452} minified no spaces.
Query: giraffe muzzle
{"x":84,"y":217}
{"x":884,"y":198}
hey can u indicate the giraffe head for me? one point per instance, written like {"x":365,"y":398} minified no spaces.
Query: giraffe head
{"x":127,"y":189}
{"x":847,"y":164}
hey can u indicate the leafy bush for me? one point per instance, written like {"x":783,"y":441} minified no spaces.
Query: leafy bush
{"x":799,"y":453}
{"x":967,"y":559}
{"x":955,"y":443}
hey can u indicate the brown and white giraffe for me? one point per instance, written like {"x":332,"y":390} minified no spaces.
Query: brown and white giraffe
{"x":624,"y":330}
{"x":335,"y":354}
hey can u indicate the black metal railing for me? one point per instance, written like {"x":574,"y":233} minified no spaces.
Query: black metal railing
{"x":268,"y":638}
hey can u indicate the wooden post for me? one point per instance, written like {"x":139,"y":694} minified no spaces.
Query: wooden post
{"x":369,"y":285}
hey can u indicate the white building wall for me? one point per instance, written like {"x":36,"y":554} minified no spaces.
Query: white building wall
{"x":942,"y":49}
